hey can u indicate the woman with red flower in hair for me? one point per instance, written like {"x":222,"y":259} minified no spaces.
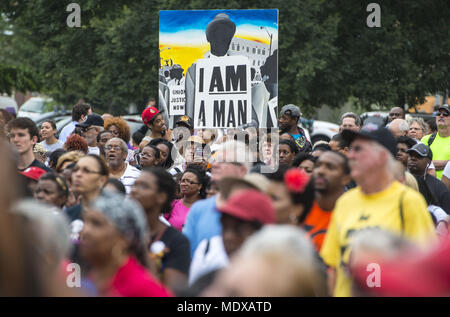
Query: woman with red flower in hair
{"x":292,"y":193}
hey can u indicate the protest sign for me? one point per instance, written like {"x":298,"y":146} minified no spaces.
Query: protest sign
{"x":223,"y":92}
{"x":190,"y":40}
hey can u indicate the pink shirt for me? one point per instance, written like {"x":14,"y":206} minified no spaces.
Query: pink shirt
{"x":178,"y":215}
{"x":133,"y":280}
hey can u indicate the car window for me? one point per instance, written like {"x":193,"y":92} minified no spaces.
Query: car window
{"x":33,"y":105}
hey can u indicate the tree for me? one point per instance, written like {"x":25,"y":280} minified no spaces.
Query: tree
{"x":327,"y":53}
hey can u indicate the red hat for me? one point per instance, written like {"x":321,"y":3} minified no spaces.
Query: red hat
{"x":250,"y":205}
{"x":148,"y":114}
{"x":33,"y":172}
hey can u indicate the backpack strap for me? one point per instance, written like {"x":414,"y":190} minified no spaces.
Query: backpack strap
{"x":431,"y":139}
{"x":402,"y":216}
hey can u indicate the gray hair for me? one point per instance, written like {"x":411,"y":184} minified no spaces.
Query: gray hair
{"x":123,"y":145}
{"x":352,"y":115}
{"x":380,"y":241}
{"x":419,"y":121}
{"x":402,"y":125}
{"x":52,"y":228}
{"x":128,"y":217}
{"x":290,"y":244}
{"x":235,"y":152}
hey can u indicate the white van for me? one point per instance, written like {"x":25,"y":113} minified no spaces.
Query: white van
{"x":34,"y":107}
{"x":8,"y":103}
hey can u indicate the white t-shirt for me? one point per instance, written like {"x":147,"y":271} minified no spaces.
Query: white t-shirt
{"x":446,"y":171}
{"x":210,"y":255}
{"x":129,"y":177}
{"x":66,"y":131}
{"x":51,"y":147}
{"x":94,"y":150}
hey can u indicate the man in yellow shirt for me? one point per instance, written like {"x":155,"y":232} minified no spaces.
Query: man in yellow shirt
{"x":439,"y":143}
{"x":377,"y":202}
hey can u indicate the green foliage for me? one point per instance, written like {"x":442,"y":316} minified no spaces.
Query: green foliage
{"x":327,"y":54}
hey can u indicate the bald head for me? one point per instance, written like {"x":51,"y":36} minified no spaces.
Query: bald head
{"x":399,"y":127}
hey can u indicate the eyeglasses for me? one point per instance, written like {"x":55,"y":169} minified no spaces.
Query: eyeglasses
{"x":84,"y":170}
{"x":443,"y":113}
{"x":186,"y":181}
{"x":115,"y":147}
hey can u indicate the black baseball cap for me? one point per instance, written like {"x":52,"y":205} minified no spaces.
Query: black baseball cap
{"x":422,"y":150}
{"x":445,"y":108}
{"x":373,"y":132}
{"x":92,"y":119}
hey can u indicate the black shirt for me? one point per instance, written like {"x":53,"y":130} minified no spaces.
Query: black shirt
{"x":440,"y":192}
{"x":177,"y":255}
{"x":39,"y":164}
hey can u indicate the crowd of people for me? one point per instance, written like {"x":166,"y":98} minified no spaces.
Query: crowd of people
{"x":98,"y":211}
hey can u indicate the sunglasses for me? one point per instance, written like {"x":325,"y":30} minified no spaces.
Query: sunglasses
{"x":443,"y":113}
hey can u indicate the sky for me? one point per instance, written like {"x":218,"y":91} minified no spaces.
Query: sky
{"x":184,"y":31}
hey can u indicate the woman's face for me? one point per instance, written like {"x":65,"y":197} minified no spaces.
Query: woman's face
{"x":86,"y":176}
{"x":286,"y":211}
{"x":47,"y":191}
{"x":148,"y":158}
{"x":114,"y":131}
{"x":47,"y":131}
{"x":98,"y":237}
{"x":402,"y":156}
{"x":307,"y":166}
{"x":145,"y":191}
{"x":165,"y":152}
{"x":189,"y":184}
{"x":286,"y":155}
{"x":415,"y":131}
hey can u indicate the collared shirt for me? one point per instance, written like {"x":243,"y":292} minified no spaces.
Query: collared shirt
{"x":129,"y":177}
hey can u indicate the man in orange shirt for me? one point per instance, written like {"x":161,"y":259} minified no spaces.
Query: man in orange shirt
{"x":331,"y":174}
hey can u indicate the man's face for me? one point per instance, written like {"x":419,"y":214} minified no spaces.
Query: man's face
{"x":396,"y":113}
{"x":417,"y":164}
{"x":105,"y":137}
{"x":221,"y":167}
{"x":90,"y":135}
{"x":286,"y":122}
{"x":329,"y":174}
{"x":22,"y":140}
{"x":443,"y":119}
{"x":114,"y":154}
{"x":158,"y":125}
{"x":234,"y":232}
{"x":349,"y":124}
{"x":363,"y":158}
